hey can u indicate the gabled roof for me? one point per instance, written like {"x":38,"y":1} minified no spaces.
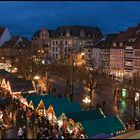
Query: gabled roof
{"x":106,"y":125}
{"x":137,"y":44}
{"x":124,"y":36}
{"x":2,"y":29}
{"x":61,"y":105}
{"x":15,"y":43}
{"x":107,"y":42}
{"x":36,"y":34}
{"x":20,"y":84}
{"x":4,"y":73}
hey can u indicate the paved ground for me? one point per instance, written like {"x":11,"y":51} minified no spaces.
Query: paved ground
{"x":123,"y":109}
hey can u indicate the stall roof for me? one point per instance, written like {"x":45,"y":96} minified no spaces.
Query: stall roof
{"x":106,"y":125}
{"x":60,"y":105}
{"x":4,"y":73}
{"x":86,"y":115}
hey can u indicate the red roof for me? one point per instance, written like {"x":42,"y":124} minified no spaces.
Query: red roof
{"x":124,"y":36}
{"x":1,"y":30}
{"x":137,"y":43}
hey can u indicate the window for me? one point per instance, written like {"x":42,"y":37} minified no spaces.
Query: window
{"x":53,"y":55}
{"x":120,"y":51}
{"x":53,"y":42}
{"x":113,"y":57}
{"x":56,"y":49}
{"x":56,"y":55}
{"x":61,"y":42}
{"x":66,"y":43}
{"x":89,"y":35}
{"x":89,"y":56}
{"x":120,"y":57}
{"x":53,"y":49}
{"x":56,"y":42}
{"x":114,"y":44}
{"x":89,"y":50}
{"x":113,"y":50}
{"x":66,"y":50}
{"x":121,"y":44}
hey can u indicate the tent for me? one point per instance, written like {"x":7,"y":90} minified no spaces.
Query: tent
{"x":85,"y":115}
{"x":106,"y":125}
{"x":60,"y":105}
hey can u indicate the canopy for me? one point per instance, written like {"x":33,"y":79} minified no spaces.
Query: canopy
{"x":85,"y":115}
{"x":106,"y":125}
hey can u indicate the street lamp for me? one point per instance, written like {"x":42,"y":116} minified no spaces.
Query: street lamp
{"x":36,"y":77}
{"x":86,"y":101}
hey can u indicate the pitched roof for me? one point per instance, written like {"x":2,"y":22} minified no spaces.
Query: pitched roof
{"x":106,"y":125}
{"x":107,"y":42}
{"x":2,"y":30}
{"x":15,"y":43}
{"x":21,"y":84}
{"x":137,"y":43}
{"x":124,"y":36}
{"x":36,"y":34}
{"x":60,"y":105}
{"x":85,"y":115}
{"x":75,"y":29}
{"x":4,"y":73}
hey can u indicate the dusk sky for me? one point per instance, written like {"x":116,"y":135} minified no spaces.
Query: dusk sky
{"x":24,"y":18}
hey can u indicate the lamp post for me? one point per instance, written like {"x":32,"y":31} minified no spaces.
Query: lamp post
{"x":72,"y":80}
{"x":86,"y":101}
{"x":91,"y":84}
{"x":36,"y":78}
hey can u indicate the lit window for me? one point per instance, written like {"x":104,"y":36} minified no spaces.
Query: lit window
{"x":114,"y":44}
{"x":121,"y":44}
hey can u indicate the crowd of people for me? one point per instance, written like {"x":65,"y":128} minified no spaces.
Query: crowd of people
{"x":132,"y":124}
{"x":55,"y":131}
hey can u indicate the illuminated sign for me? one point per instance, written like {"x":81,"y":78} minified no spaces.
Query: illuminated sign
{"x":124,"y":93}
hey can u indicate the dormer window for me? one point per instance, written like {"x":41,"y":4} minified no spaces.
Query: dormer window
{"x":67,"y":33}
{"x":89,"y":35}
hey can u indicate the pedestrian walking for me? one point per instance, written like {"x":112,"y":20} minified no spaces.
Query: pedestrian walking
{"x":20,"y":133}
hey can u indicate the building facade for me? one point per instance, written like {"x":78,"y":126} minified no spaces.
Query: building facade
{"x":15,"y":47}
{"x":136,"y":58}
{"x":66,"y":39}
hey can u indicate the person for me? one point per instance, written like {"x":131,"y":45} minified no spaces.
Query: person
{"x":24,"y":132}
{"x":20,"y":133}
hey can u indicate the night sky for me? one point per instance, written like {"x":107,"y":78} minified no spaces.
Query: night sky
{"x":24,"y":18}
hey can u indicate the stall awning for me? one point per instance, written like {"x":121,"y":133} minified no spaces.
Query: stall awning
{"x":85,"y":115}
{"x":106,"y":125}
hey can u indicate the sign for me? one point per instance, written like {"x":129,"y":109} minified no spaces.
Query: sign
{"x":124,"y":93}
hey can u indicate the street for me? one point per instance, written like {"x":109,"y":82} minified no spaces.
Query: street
{"x":104,"y":92}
